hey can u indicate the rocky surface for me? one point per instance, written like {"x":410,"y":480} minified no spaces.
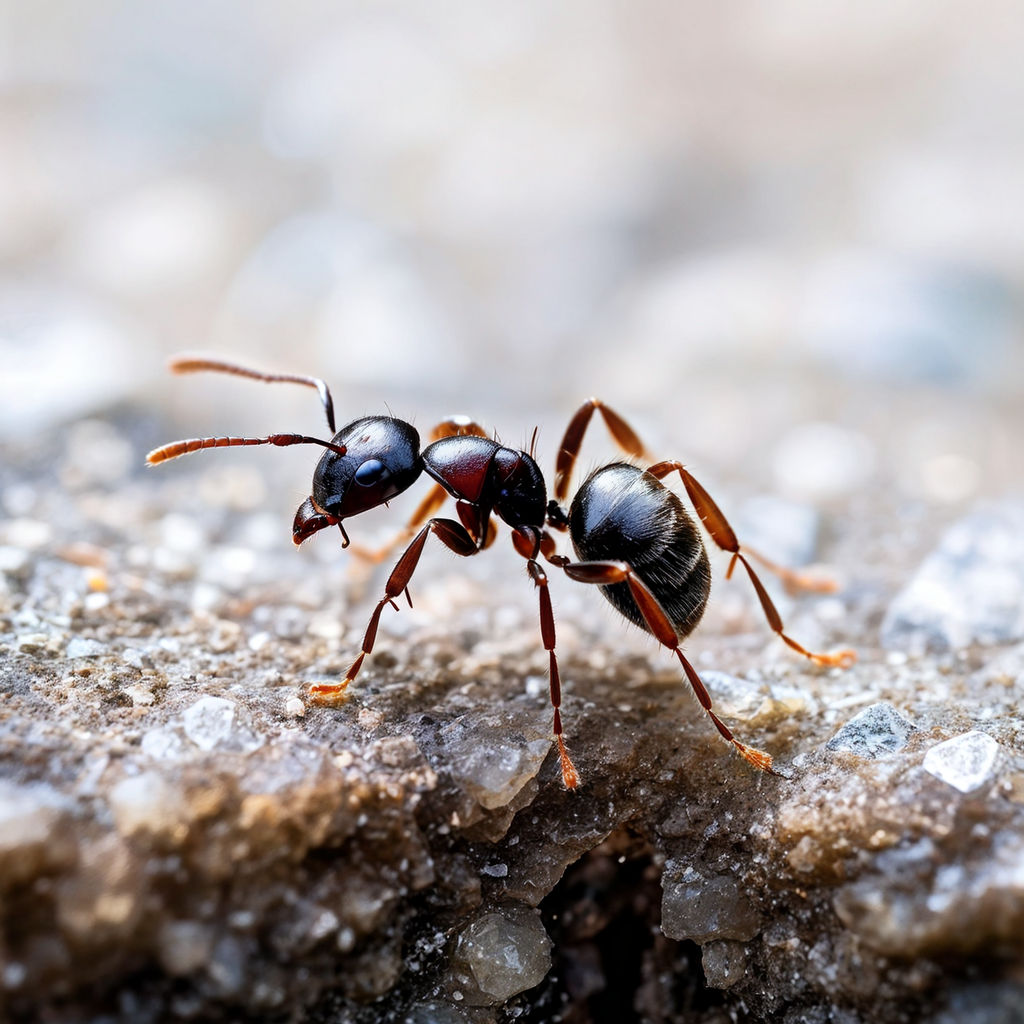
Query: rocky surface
{"x":786,"y":240}
{"x":183,"y":836}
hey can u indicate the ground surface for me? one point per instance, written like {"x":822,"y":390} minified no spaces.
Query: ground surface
{"x":184,"y":835}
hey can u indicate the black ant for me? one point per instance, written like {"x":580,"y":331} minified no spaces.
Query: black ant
{"x":633,"y":536}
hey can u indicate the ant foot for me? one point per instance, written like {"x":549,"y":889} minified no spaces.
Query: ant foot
{"x":758,"y":758}
{"x":329,"y":694}
{"x":570,"y":776}
{"x":838,"y":659}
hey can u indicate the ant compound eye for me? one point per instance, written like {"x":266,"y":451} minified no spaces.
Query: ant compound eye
{"x":371,"y":472}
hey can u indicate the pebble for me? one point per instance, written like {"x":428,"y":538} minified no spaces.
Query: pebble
{"x":506,"y":953}
{"x":706,"y":909}
{"x":38,"y":643}
{"x":724,"y":963}
{"x":878,"y":729}
{"x":965,"y":762}
{"x":141,"y":696}
{"x":85,"y":647}
{"x":14,"y":561}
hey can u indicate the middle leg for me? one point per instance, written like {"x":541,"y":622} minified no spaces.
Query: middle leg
{"x":572,"y":441}
{"x":529,"y":542}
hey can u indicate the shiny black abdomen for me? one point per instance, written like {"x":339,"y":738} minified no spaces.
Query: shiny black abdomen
{"x":624,"y":514}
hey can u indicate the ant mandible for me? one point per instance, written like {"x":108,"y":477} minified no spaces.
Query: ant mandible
{"x":633,"y":536}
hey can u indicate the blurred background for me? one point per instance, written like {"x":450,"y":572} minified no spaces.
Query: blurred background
{"x":787,"y":238}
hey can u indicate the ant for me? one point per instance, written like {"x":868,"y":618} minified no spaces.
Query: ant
{"x":633,"y":536}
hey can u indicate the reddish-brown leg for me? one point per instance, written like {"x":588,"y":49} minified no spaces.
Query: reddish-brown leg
{"x":528,"y":542}
{"x":454,"y":536}
{"x":433,"y":501}
{"x":722,"y":534}
{"x":457,"y":426}
{"x":605,"y":573}
{"x":622,"y":433}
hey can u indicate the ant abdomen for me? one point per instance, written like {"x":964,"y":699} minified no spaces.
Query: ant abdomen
{"x":622,"y":513}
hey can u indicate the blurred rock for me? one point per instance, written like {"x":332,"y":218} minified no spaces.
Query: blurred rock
{"x":969,"y":590}
{"x":44,"y":328}
{"x":895,"y":318}
{"x":822,"y":461}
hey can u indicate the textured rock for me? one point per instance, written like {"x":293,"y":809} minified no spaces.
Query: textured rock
{"x":970,"y":589}
{"x":182,"y":834}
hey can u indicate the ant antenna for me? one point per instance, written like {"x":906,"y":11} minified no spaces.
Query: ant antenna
{"x":195,"y":364}
{"x":195,"y":444}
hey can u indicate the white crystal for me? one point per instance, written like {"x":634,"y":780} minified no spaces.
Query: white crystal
{"x":965,"y":762}
{"x":84,"y":647}
{"x":162,"y":744}
{"x":27,"y":814}
{"x":878,"y":729}
{"x":493,"y":761}
{"x":970,"y":589}
{"x":505,"y":955}
{"x":209,"y":721}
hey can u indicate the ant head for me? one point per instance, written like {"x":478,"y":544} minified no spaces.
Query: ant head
{"x":381,"y":459}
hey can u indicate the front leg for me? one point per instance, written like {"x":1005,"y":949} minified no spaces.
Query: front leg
{"x":455,"y":537}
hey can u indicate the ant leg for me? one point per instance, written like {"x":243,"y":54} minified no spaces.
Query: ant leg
{"x":528,"y":544}
{"x":457,"y":426}
{"x":453,"y":426}
{"x":722,"y":534}
{"x":454,"y":536}
{"x":426,"y":508}
{"x":622,"y":433}
{"x":606,"y":573}
{"x":478,"y":523}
